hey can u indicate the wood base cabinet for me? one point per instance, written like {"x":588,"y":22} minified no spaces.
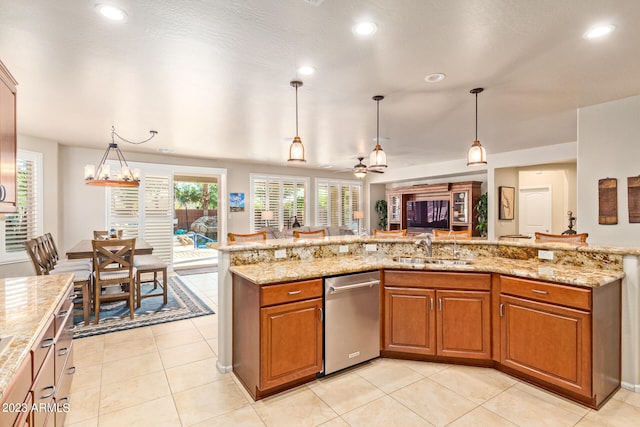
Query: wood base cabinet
{"x":562,"y":337}
{"x":437,"y":314}
{"x":277,"y":334}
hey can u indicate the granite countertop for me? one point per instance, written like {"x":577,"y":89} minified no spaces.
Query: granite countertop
{"x":285,"y":271}
{"x":26,"y":305}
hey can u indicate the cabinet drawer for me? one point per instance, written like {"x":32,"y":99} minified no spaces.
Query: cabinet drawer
{"x":44,"y":390}
{"x":16,"y":393}
{"x":438,"y":280}
{"x":289,"y":292}
{"x":44,"y":342}
{"x":547,"y":292}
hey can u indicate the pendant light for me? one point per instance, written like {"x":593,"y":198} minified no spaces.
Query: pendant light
{"x":476,"y":155}
{"x":378,"y":159}
{"x":296,"y":150}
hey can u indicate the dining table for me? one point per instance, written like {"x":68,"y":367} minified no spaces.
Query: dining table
{"x":84,"y":249}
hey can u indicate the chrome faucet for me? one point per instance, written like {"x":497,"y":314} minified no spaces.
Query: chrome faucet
{"x":428,"y":246}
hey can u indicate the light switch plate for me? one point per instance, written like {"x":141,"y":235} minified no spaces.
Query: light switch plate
{"x":344,"y":249}
{"x":370,"y":247}
{"x":280,"y":253}
{"x":545,"y":254}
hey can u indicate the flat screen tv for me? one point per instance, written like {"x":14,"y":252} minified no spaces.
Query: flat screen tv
{"x":428,"y":214}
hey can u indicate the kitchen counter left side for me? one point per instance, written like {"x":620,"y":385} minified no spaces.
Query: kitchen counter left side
{"x":26,"y":306}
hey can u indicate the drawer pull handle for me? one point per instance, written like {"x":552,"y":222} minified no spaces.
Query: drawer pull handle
{"x":73,"y":296}
{"x":71,"y":328}
{"x":63,"y":313}
{"x":63,"y":401}
{"x":440,"y":303}
{"x":321,"y":314}
{"x":294,"y":292}
{"x":71,"y":370}
{"x":53,"y":391}
{"x":501,"y":310}
{"x":63,"y":351}
{"x":431,"y":304}
{"x":537,"y":291}
{"x":47,"y":342}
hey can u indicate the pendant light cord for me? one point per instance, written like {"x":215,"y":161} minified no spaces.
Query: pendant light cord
{"x":476,"y":116}
{"x":378,"y":122}
{"x":297,"y":110}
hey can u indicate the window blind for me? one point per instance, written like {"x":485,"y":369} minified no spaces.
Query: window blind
{"x":24,"y":224}
{"x":285,"y":196}
{"x":337,"y":201}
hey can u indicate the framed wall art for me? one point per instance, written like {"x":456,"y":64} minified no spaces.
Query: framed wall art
{"x":506,"y":200}
{"x":236,"y":202}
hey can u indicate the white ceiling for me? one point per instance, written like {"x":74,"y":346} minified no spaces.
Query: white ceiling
{"x":213,"y":76}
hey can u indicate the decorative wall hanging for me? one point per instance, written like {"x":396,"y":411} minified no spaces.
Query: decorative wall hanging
{"x":507,"y":198}
{"x":236,"y":202}
{"x":608,"y":201}
{"x":633,"y":191}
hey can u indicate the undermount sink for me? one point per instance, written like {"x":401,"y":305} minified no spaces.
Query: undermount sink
{"x":444,"y":261}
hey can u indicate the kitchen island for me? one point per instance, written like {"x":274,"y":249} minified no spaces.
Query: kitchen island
{"x":579,"y":267}
{"x":36,"y":367}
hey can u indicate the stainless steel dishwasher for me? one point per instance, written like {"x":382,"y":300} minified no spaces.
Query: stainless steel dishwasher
{"x":352,"y":320}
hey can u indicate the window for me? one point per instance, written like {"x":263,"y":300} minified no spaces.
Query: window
{"x":285,"y":196}
{"x":337,"y":201}
{"x":26,"y":223}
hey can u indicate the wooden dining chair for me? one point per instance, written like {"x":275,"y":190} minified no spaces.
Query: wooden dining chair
{"x":146,"y":265}
{"x":561,"y":238}
{"x":100,"y":234}
{"x":113,"y":262}
{"x":249,"y":237}
{"x":449,"y":234}
{"x":81,"y":275}
{"x":389,"y":233}
{"x":317,"y":234}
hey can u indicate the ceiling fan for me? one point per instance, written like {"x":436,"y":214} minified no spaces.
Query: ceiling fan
{"x":360,"y":170}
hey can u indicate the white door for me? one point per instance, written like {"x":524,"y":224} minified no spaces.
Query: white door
{"x":534,"y":205}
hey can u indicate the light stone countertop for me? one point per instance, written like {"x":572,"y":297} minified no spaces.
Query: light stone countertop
{"x":26,"y":305}
{"x":291,"y":270}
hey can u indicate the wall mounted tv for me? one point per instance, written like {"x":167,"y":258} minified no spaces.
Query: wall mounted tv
{"x":428,"y":214}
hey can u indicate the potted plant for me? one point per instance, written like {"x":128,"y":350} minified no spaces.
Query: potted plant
{"x":381,"y":210}
{"x":482,"y":209}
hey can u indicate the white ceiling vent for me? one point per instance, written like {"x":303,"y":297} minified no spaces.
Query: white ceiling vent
{"x":315,"y":2}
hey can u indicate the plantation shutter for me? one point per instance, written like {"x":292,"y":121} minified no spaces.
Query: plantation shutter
{"x":284,"y":196}
{"x":124,"y":213}
{"x":158,"y":215}
{"x":337,"y":200}
{"x":23,"y":224}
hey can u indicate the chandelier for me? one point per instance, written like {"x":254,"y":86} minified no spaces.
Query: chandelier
{"x":103,"y":176}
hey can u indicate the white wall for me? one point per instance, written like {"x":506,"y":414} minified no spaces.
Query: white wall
{"x":608,"y":147}
{"x":49,"y":150}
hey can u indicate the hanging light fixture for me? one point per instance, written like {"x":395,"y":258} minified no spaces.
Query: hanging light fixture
{"x":296,"y":150}
{"x":102,"y":176}
{"x":360,"y":170}
{"x":378,"y":159}
{"x":476,"y":155}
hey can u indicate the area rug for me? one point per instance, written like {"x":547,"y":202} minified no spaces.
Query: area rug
{"x":182,"y":303}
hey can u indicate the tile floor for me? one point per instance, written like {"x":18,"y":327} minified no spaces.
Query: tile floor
{"x":165,"y":375}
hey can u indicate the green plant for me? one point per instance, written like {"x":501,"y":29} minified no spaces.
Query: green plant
{"x":482,"y":209}
{"x":381,"y":210}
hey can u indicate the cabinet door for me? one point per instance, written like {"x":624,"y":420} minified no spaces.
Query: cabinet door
{"x":460,"y":207}
{"x":409,"y":320}
{"x":464,"y":324}
{"x":547,"y":341}
{"x":290,"y":342}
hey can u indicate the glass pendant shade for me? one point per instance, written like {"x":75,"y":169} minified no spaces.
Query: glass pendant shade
{"x":378,"y":158}
{"x":476,"y":155}
{"x":296,"y":151}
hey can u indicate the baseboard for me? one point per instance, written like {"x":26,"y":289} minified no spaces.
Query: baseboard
{"x":631,"y":387}
{"x":224,"y":369}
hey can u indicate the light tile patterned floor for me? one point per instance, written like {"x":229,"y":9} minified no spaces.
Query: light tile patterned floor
{"x":165,"y":375}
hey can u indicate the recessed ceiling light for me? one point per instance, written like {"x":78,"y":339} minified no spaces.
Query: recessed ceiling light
{"x":365,"y":28}
{"x":435,"y":77}
{"x":306,"y":70}
{"x":599,"y":31}
{"x":111,"y":12}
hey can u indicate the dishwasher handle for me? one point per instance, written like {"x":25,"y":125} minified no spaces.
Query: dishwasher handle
{"x":338,"y":289}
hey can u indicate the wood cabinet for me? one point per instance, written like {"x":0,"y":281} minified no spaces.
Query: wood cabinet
{"x":44,"y":379}
{"x":562,"y":337}
{"x":277,"y":334}
{"x":7,"y":141}
{"x":464,"y":198}
{"x":437,"y":314}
